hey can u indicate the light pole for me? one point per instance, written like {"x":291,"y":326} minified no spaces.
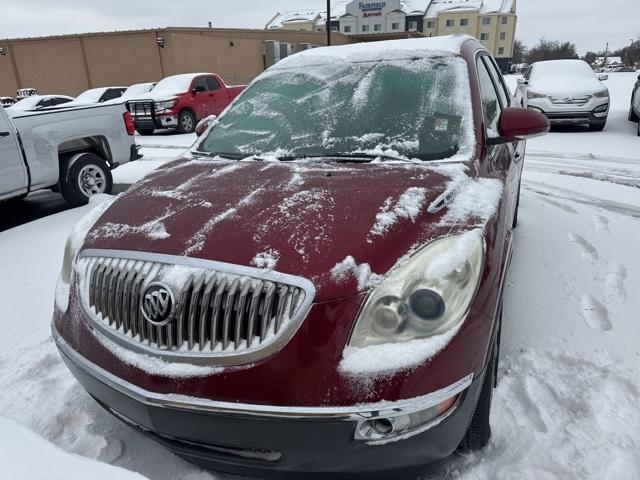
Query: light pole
{"x":628,"y":55}
{"x":328,"y":27}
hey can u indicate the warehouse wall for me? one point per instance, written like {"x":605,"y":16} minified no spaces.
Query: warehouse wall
{"x":71,"y":64}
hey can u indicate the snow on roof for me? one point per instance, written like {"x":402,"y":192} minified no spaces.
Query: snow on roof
{"x":317,"y":17}
{"x":374,"y":51}
{"x":484,"y":6}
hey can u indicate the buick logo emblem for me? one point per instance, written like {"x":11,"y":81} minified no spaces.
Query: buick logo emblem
{"x":158,"y":304}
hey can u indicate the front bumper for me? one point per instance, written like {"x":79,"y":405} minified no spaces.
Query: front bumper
{"x":271,"y":441}
{"x":593,"y":111}
{"x":155,"y":122}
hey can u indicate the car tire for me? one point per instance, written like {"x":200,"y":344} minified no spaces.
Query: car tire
{"x":632,"y":115}
{"x":479,"y":432}
{"x":186,"y":122}
{"x":83,"y":176}
{"x":597,"y":126}
{"x":145,"y":131}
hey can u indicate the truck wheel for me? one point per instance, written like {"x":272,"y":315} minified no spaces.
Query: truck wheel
{"x":632,"y":115}
{"x":145,"y":131}
{"x":479,"y":432}
{"x":186,"y":122}
{"x":83,"y":176}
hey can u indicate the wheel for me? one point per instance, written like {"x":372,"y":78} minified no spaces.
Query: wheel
{"x":186,"y":122}
{"x":145,"y":131}
{"x":597,"y":126}
{"x":515,"y":215}
{"x":479,"y":432}
{"x":83,"y":176}
{"x":632,"y":115}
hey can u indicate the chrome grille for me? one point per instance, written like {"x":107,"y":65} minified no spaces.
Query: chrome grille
{"x":575,"y":101}
{"x":222,"y":311}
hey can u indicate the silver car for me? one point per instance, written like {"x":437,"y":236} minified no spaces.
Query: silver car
{"x":568,"y":92}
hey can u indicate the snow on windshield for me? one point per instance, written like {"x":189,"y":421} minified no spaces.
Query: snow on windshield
{"x":135,"y":90}
{"x":27,"y":103}
{"x":404,"y":108}
{"x":554,"y":68}
{"x":175,"y":84}
{"x":91,"y":96}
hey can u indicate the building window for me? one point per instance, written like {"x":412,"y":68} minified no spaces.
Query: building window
{"x":484,"y":37}
{"x":395,"y":26}
{"x":501,"y":51}
{"x":413,"y":26}
{"x":335,"y":28}
{"x":464,"y":22}
{"x":486,"y":21}
{"x":365,"y":28}
{"x":377,"y":27}
{"x":431,"y":24}
{"x":503,"y":35}
{"x":450,"y":23}
{"x":505,"y":20}
{"x":347,"y":29}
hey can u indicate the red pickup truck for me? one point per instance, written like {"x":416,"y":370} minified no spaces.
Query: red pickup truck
{"x":181,"y":101}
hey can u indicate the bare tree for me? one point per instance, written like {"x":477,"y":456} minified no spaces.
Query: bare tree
{"x":551,"y":50}
{"x":519,"y":52}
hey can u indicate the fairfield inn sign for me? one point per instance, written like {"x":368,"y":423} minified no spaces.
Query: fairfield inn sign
{"x":373,"y":9}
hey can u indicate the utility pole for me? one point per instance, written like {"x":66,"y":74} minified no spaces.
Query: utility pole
{"x":328,"y":23}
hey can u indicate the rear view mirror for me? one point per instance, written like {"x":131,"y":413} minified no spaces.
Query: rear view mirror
{"x":603,"y":76}
{"x":517,"y":124}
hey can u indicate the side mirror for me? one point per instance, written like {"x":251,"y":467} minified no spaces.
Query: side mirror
{"x":603,"y":76}
{"x":197,"y":89}
{"x":516,"y":124}
{"x":522,"y":81}
{"x":204,"y":124}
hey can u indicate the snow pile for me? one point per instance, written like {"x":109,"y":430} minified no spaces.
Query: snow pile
{"x":447,"y":262}
{"x":267,"y":260}
{"x":25,"y":455}
{"x":468,"y":199}
{"x":348,"y":268}
{"x":408,"y":206}
{"x":389,"y":358}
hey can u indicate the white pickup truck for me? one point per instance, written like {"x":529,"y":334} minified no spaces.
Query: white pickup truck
{"x":71,"y":151}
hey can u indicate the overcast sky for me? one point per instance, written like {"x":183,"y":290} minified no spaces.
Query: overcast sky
{"x":590,"y":24}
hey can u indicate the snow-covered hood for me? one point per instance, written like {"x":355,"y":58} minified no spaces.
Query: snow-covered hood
{"x":566,"y":85}
{"x":303,"y":219}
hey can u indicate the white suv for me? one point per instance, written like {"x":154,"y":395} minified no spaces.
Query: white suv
{"x":566,"y":91}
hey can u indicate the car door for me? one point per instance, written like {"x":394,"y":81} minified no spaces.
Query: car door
{"x":501,"y":157}
{"x":13,"y":175}
{"x":201,"y":97}
{"x":218,"y":99}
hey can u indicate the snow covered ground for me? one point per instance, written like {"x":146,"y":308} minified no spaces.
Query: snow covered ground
{"x":566,"y":406}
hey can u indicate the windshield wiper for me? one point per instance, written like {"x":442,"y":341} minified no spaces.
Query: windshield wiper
{"x":346,"y":157}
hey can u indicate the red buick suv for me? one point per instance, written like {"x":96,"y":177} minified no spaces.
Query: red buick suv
{"x":315,"y":289}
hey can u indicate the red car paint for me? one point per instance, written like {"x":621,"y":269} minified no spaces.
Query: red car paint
{"x":304,"y":372}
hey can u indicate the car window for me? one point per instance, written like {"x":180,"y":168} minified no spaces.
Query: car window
{"x":111,"y":94}
{"x":43,"y":103}
{"x":212,"y":83}
{"x":527,"y":73}
{"x":201,"y":84}
{"x":59,"y":100}
{"x":503,"y":91}
{"x":490,"y":100}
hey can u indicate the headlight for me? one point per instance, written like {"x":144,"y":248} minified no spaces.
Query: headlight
{"x":531,"y":95}
{"x":166,"y":105}
{"x":427,"y":296}
{"x":602,"y":94}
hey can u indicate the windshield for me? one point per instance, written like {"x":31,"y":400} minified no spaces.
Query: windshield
{"x":416,"y":108}
{"x":90,"y":96}
{"x":560,"y":68}
{"x":174,"y":85}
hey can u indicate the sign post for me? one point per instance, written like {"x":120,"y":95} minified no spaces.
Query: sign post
{"x":328,"y":23}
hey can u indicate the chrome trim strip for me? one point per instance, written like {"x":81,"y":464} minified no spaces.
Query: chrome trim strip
{"x":196,"y":356}
{"x":184,"y":402}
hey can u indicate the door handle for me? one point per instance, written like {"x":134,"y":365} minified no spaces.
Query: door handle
{"x":4,"y":134}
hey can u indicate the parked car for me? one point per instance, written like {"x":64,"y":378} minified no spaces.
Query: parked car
{"x":568,"y":92}
{"x":70,"y":151}
{"x":634,"y":108}
{"x":97,"y":95}
{"x":6,"y":101}
{"x":37,"y":102}
{"x":25,"y":92}
{"x":624,"y":70}
{"x":181,"y":101}
{"x":336,"y":310}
